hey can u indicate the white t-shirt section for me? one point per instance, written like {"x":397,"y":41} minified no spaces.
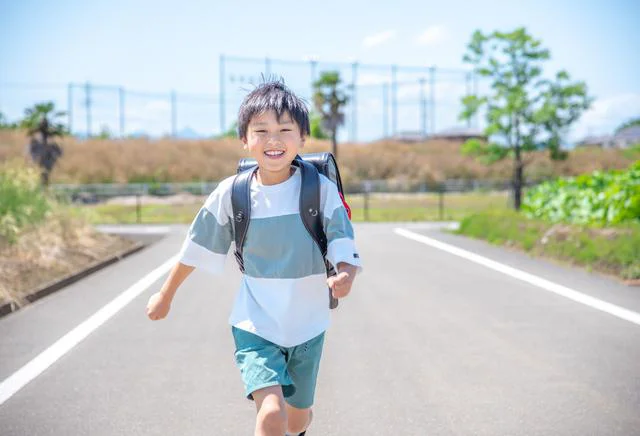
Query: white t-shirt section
{"x":283,"y":296}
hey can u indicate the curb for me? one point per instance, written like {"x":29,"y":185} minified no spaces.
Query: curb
{"x":56,"y":285}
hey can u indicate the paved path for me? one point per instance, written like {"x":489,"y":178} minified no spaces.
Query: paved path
{"x":428,"y":343}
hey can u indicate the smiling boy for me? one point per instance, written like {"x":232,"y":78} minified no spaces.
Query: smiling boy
{"x":281,"y":311}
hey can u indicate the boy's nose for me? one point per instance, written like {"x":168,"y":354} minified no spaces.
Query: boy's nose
{"x":274,"y":139}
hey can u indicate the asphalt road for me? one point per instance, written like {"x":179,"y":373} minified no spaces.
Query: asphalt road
{"x":428,"y":343}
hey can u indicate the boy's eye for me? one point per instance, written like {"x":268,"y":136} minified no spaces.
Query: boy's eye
{"x":285,"y":130}
{"x":260,"y":131}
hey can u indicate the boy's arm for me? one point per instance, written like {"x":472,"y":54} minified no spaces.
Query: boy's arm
{"x":177,"y":275}
{"x":160,"y":302}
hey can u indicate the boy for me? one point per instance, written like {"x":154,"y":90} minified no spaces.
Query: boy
{"x":281,"y":310}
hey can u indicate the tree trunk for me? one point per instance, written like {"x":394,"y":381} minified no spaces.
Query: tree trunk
{"x":334,"y":144}
{"x":44,"y":178}
{"x":518,"y":179}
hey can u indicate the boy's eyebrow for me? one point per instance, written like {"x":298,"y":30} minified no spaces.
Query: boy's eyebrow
{"x":262,"y":123}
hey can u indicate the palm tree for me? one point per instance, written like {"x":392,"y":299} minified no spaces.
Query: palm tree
{"x":41,"y":119}
{"x":329,"y":101}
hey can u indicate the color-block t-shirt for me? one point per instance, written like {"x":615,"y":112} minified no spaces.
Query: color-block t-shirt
{"x":283,"y":296}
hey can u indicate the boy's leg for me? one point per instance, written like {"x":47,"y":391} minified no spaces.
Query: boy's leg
{"x":272,"y":415}
{"x":298,"y":420}
{"x":302,"y":367}
{"x":262,"y":366}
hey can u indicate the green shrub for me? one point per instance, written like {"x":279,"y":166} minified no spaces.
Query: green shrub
{"x":22,"y":201}
{"x":599,"y":198}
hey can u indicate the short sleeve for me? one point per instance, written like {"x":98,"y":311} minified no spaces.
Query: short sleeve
{"x":341,"y":245}
{"x":210,"y":234}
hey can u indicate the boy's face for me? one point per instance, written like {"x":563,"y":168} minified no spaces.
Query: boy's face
{"x":274,"y":144}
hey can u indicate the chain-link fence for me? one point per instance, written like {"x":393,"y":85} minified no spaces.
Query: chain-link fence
{"x":384,"y":100}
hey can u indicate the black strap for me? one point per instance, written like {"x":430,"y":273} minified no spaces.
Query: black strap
{"x":310,"y":203}
{"x":241,"y":205}
{"x":312,"y":215}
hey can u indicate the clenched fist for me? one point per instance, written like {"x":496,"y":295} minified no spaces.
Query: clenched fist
{"x":340,"y":284}
{"x":158,"y":306}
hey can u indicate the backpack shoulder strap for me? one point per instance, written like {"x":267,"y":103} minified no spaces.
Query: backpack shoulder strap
{"x":241,"y":205}
{"x":311,"y":214}
{"x":310,"y":203}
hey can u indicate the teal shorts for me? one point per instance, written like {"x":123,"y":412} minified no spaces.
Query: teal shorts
{"x":263,"y":364}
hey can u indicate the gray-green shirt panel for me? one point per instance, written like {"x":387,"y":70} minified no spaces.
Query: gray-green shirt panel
{"x":207,"y":232}
{"x":280,"y":247}
{"x":338,"y":226}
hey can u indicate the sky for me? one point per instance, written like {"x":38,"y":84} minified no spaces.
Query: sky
{"x":150,"y":48}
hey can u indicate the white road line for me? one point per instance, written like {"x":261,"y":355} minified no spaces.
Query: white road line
{"x":547,"y":285}
{"x":37,"y":365}
{"x":134,"y":229}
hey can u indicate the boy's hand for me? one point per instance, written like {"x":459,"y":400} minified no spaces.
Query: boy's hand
{"x":340,"y":284}
{"x":158,"y":306}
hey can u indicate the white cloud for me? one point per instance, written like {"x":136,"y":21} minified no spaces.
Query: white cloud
{"x":378,"y":38}
{"x":432,"y":35}
{"x":606,"y":115}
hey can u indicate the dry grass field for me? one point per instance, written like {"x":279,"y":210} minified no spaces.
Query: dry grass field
{"x":144,"y":160}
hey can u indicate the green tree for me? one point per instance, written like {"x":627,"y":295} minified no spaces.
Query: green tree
{"x":105,"y":132}
{"x":41,"y":120}
{"x":315,"y":120}
{"x":4,"y":123}
{"x":34,"y":116}
{"x":524,"y":111}
{"x":231,"y":132}
{"x":329,"y":100}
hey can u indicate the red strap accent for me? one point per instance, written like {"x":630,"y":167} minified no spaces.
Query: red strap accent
{"x":346,"y":206}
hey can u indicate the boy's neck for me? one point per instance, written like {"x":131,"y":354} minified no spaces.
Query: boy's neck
{"x":270,"y":178}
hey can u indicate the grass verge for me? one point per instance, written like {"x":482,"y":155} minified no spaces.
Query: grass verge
{"x":42,"y":241}
{"x":611,"y":250}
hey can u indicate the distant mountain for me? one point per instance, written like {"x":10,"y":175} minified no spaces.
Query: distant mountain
{"x":185,"y":133}
{"x":189,"y":133}
{"x":138,"y":134}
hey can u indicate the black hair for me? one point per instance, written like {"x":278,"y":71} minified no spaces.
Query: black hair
{"x":273,"y":95}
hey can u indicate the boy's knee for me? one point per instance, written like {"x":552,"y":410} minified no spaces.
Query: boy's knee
{"x":272,"y":418}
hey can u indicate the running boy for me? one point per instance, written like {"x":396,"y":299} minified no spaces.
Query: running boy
{"x":281,"y":310}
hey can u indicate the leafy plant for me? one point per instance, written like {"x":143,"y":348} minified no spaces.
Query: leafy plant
{"x":598,"y":198}
{"x":22,"y":202}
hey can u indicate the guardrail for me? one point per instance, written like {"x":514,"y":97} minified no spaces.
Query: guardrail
{"x":92,"y":193}
{"x":368,"y":198}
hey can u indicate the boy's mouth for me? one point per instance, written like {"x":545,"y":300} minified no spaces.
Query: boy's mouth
{"x":274,"y":154}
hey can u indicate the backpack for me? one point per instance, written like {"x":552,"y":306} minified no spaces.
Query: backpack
{"x":310,"y":166}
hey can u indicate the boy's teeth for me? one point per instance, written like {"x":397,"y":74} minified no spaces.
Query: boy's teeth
{"x":274,"y":153}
